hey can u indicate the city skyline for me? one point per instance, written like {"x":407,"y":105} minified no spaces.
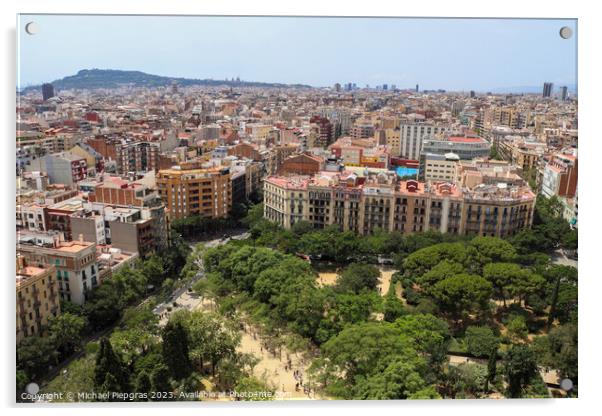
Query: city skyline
{"x":531,"y":50}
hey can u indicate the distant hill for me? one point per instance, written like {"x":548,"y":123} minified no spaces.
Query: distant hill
{"x":113,"y":78}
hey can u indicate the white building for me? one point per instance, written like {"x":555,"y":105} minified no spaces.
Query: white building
{"x":411,"y":136}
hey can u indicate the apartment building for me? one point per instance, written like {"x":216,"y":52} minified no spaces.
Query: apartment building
{"x":75,"y":262}
{"x":141,"y":230}
{"x":303,"y":164}
{"x":522,"y":153}
{"x":189,"y":190}
{"x":323,"y":130}
{"x":412,"y":136}
{"x":37,"y":298}
{"x":467,"y":146}
{"x":393,"y":140}
{"x":62,"y":168}
{"x":362,"y":131}
{"x":560,"y":176}
{"x":441,"y":167}
{"x":383,"y":202}
{"x":137,"y":156}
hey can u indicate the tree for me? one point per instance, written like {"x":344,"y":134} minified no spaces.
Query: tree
{"x":393,"y":308}
{"x":109,"y":364}
{"x":517,"y":328}
{"x":273,"y":280}
{"x":561,"y":276}
{"x":153,"y":269}
{"x":491,"y":368}
{"x":175,"y":350}
{"x":104,"y":305}
{"x":109,"y":386}
{"x":357,"y":277}
{"x":504,"y":277}
{"x":481,"y":341}
{"x":429,"y":335}
{"x":143,"y":383}
{"x":160,"y":381}
{"x":211,"y":338}
{"x":35,"y":354}
{"x":302,"y":227}
{"x":342,"y":309}
{"x":492,"y":249}
{"x":251,"y":389}
{"x":131,"y":284}
{"x":358,"y":349}
{"x":301,"y":304}
{"x":558,"y":350}
{"x":566,"y":306}
{"x":66,"y":331}
{"x":132,"y":342}
{"x":441,"y":271}
{"x":400,"y":379}
{"x":421,"y":261}
{"x":520,"y":367}
{"x":527,"y":283}
{"x":473,"y":378}
{"x":462,"y":293}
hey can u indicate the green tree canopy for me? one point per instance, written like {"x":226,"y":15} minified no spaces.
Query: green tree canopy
{"x":175,"y":350}
{"x":357,"y":277}
{"x":481,"y":341}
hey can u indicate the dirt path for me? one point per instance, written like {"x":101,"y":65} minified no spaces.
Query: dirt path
{"x":273,"y":369}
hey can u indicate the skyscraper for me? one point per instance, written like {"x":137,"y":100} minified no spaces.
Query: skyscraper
{"x":564,"y":93}
{"x":547,"y":89}
{"x":472,"y":94}
{"x":337,"y":87}
{"x":47,"y":91}
{"x":416,"y":87}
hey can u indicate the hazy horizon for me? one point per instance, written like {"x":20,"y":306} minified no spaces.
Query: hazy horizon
{"x":451,"y":54}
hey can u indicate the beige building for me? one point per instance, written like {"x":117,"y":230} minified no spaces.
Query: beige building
{"x":441,"y":167}
{"x":37,"y":298}
{"x":189,"y":190}
{"x":77,"y":270}
{"x":393,"y":140}
{"x":383,"y":202}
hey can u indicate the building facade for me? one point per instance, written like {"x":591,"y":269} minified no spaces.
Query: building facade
{"x":204,"y":192}
{"x":382,"y":202}
{"x":37,"y":298}
{"x":75,"y":262}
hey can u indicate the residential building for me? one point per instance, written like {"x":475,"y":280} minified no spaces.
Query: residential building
{"x":190,"y":190}
{"x":74,"y":261}
{"x":62,"y":168}
{"x":412,"y":136}
{"x":476,"y":205}
{"x":560,"y":176}
{"x":441,"y":167}
{"x":37,"y":298}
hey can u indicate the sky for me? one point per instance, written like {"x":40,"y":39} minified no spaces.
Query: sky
{"x":452,"y":54}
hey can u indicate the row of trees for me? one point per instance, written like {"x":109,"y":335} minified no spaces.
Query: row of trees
{"x":550,"y":231}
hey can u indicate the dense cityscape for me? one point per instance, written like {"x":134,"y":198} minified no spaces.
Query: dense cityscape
{"x":231,"y":240}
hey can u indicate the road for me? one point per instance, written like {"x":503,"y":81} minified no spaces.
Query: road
{"x":183,"y":297}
